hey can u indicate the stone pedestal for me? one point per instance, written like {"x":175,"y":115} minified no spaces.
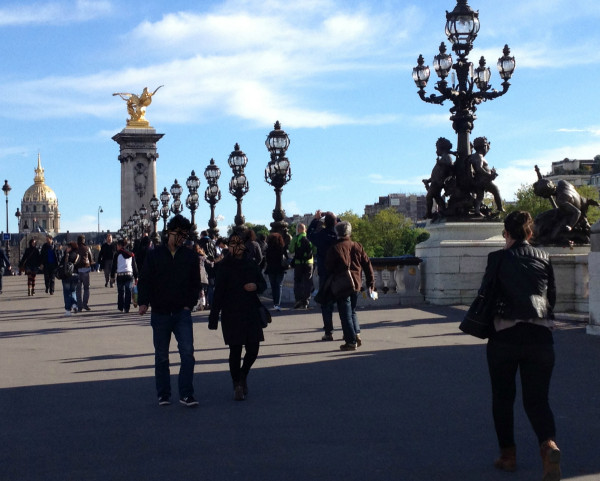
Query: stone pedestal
{"x":571,"y":276}
{"x":454,"y":259}
{"x":138,"y":168}
{"x":594,"y":282}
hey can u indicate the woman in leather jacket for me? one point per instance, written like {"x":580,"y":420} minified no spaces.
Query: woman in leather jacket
{"x":522,"y":341}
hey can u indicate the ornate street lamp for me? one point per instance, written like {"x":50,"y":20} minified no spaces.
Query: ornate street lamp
{"x":212,"y":194}
{"x":6,"y":189}
{"x":98,"y":235}
{"x":165,"y":197}
{"x":277,"y":174}
{"x":462,"y":26}
{"x":238,"y":185}
{"x":192,"y":201}
{"x":154,"y":216}
{"x":18,"y":216}
{"x":176,"y":191}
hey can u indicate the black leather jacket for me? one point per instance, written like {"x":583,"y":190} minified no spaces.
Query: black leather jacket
{"x":525,"y":282}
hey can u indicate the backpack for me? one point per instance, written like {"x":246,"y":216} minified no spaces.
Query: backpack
{"x":303,"y":250}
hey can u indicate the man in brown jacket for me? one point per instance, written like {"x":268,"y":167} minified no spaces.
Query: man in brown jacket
{"x":349,"y":255}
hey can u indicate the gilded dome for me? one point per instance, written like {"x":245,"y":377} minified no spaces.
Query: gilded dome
{"x":39,"y":191}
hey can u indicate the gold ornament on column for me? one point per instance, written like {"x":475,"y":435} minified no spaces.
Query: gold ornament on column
{"x":136,"y":107}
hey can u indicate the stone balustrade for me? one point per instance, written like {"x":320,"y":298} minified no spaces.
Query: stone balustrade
{"x":397,"y":282}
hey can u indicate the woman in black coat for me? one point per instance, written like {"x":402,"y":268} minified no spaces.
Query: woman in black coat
{"x":237,"y":285}
{"x":30,"y":262}
{"x":276,"y":256}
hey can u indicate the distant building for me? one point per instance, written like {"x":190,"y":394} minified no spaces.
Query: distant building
{"x":576,"y":172}
{"x":411,"y":206}
{"x":39,"y":207}
{"x":300,"y":219}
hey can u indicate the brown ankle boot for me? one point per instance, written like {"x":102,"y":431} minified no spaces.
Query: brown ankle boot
{"x":507,"y":460}
{"x":551,"y":460}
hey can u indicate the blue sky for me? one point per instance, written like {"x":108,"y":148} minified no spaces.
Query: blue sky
{"x":336,"y":74}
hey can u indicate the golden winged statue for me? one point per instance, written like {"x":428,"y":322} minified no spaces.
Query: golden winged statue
{"x":136,"y":106}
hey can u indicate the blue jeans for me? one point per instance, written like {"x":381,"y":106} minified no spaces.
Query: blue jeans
{"x":347,"y":310}
{"x":83,"y":277}
{"x":124,"y":285}
{"x":326,"y":309}
{"x":180,"y":324}
{"x":69,"y":287}
{"x":276,"y":281}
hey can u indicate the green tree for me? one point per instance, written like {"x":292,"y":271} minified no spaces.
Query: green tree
{"x":527,"y":200}
{"x":386,"y":234}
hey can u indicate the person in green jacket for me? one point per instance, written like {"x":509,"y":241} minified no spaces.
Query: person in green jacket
{"x":303,"y":261}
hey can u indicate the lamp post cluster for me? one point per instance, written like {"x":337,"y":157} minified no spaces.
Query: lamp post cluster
{"x":277,"y":174}
{"x":462,"y":26}
{"x":6,"y":188}
{"x":212,"y":194}
{"x":238,"y":185}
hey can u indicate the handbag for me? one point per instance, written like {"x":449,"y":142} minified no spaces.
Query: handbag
{"x":343,"y":284}
{"x":264,"y":316}
{"x":479,"y":319}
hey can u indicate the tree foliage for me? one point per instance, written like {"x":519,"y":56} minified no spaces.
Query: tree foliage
{"x":386,"y":234}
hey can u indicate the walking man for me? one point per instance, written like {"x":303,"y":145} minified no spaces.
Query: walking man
{"x":302,"y":249}
{"x":50,"y":256}
{"x":84,"y":266}
{"x":321,"y":232}
{"x":169,"y":282}
{"x":4,"y":266}
{"x":105,"y":258}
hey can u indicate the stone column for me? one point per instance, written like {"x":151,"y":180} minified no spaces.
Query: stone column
{"x":594,"y":287}
{"x":138,"y":168}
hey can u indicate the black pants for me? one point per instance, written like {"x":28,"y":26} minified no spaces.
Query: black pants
{"x":49,"y":276}
{"x":235,"y":357}
{"x":535,"y":363}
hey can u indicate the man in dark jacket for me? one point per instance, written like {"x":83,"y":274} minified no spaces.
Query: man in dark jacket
{"x":323,"y":236}
{"x":170,"y":282}
{"x":50,"y":258}
{"x":105,"y":258}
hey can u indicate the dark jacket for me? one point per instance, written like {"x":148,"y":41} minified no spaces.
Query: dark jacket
{"x":347,"y":253}
{"x":525,"y":282}
{"x":85,"y":257}
{"x":274,"y":260}
{"x":31,"y":259}
{"x":321,"y":238}
{"x":240,"y":319}
{"x":169,"y":283}
{"x":45,"y":256}
{"x":107,"y":253}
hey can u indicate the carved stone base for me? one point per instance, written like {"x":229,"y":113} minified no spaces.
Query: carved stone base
{"x":454,"y":259}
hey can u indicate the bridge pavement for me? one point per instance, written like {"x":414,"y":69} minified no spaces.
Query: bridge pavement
{"x":77,"y":400}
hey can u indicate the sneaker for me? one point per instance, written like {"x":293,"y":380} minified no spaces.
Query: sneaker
{"x":164,"y":400}
{"x":358,"y":340}
{"x":278,"y":308}
{"x":327,"y":337}
{"x":189,"y":401}
{"x":348,"y":347}
{"x":87,"y":308}
{"x":67,"y":313}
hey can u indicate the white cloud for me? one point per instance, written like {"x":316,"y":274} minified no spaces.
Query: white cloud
{"x":53,"y":13}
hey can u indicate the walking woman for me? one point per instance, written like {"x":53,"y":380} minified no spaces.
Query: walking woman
{"x":277,"y":264}
{"x":349,"y":255}
{"x":237,"y":285}
{"x":523,"y":341}
{"x":30,"y":262}
{"x":69,"y":283}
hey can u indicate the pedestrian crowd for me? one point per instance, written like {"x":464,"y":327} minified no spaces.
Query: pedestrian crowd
{"x":226,"y":277}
